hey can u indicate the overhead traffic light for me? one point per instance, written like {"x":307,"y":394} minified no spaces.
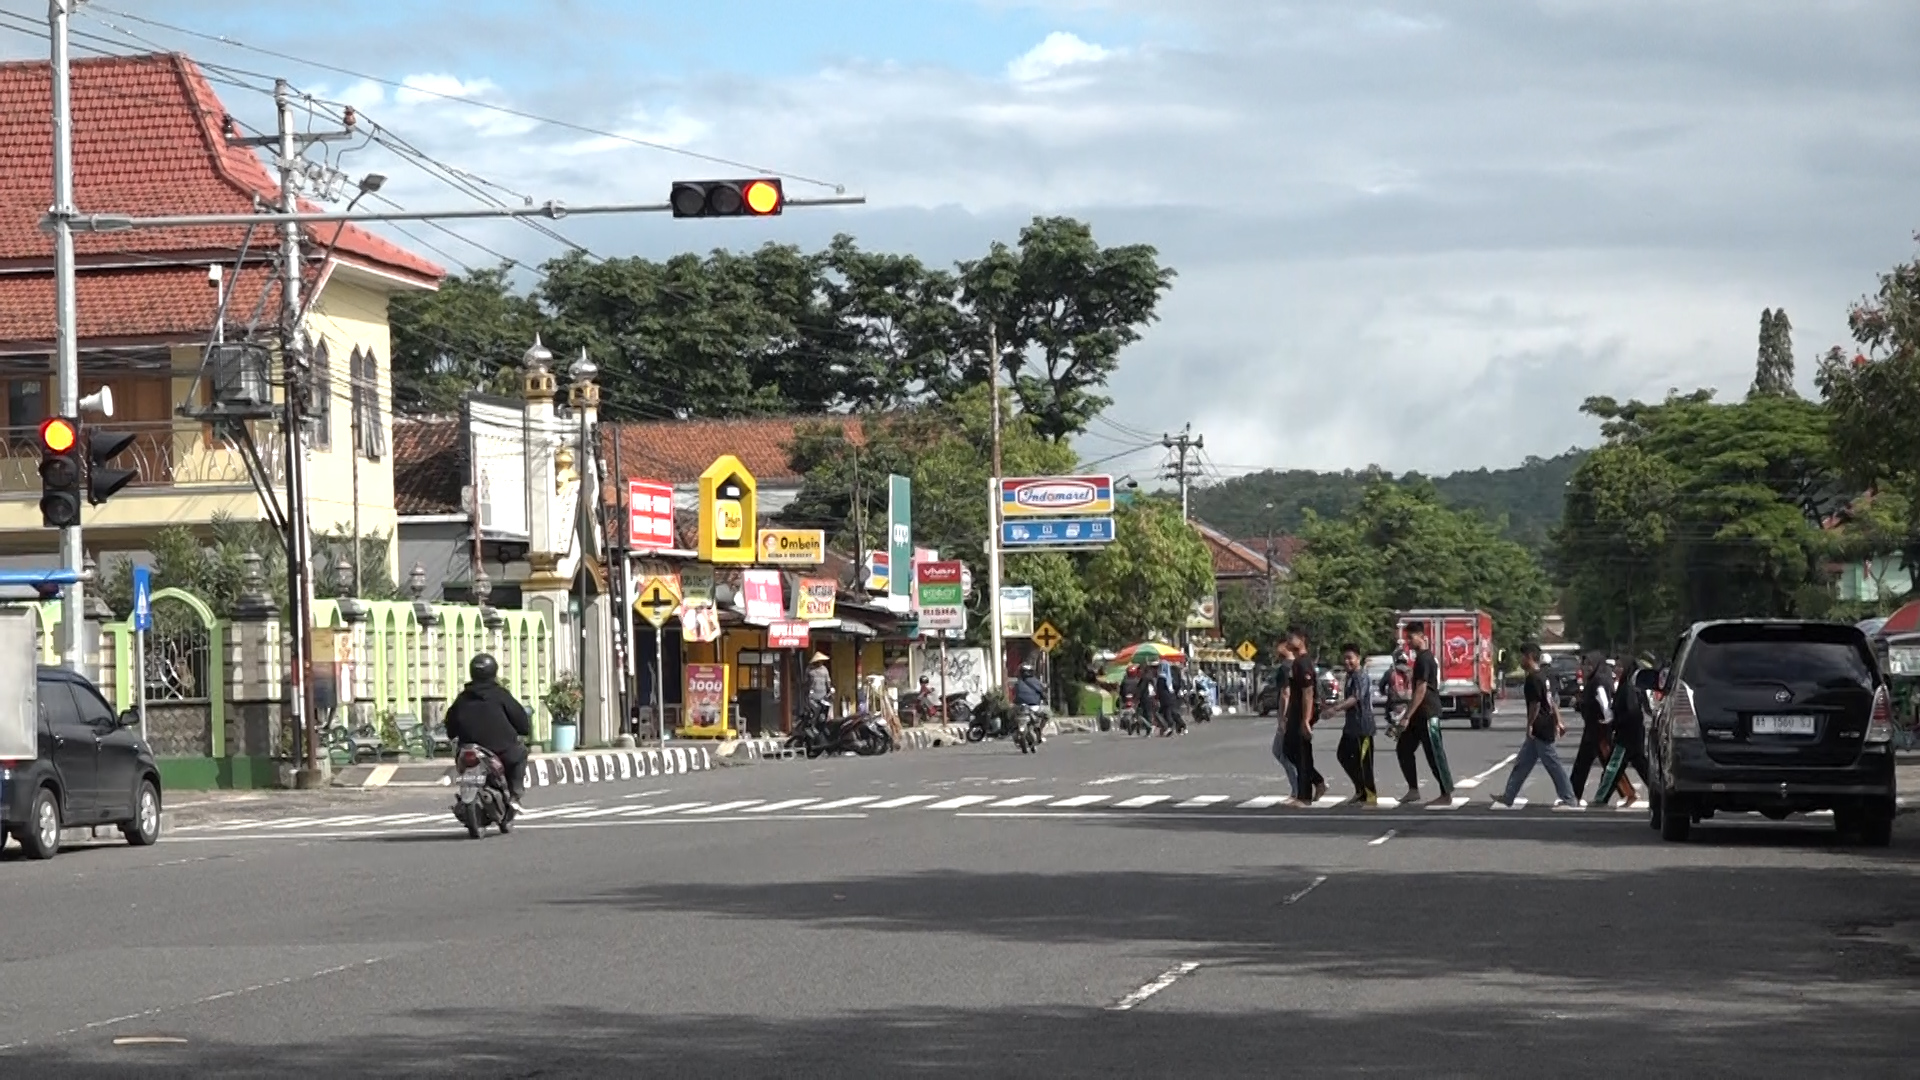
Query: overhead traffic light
{"x":761,"y":197}
{"x":59,"y":472}
{"x":102,"y":448}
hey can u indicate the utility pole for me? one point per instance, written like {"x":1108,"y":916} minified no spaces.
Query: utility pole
{"x":66,"y":310}
{"x":997,"y":665}
{"x":1184,"y":442}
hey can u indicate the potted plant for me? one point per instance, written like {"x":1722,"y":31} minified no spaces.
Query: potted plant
{"x":564,"y":699}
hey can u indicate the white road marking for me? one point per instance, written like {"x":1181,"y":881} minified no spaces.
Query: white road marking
{"x":727,"y":807}
{"x":1123,"y":777}
{"x":645,"y":794}
{"x":1477,"y":779}
{"x":1171,"y":976}
{"x":667,"y":809}
{"x":605,"y":811}
{"x":1455,"y":803}
{"x":1328,"y":802}
{"x":1295,"y":898}
{"x":380,"y":775}
{"x":961,"y":803}
{"x":1142,"y":800}
{"x":839,"y":803}
{"x":1023,"y":800}
{"x":1205,"y":800}
{"x":787,"y":804}
{"x":1378,"y":840}
{"x":904,"y":800}
{"x":1083,"y":800}
{"x":1262,"y":802}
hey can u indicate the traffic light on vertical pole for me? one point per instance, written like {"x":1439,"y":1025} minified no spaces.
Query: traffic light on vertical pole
{"x":760,"y":197}
{"x":102,"y":448}
{"x":60,"y":472}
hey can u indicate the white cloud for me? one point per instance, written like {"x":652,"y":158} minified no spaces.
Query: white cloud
{"x":419,"y":89}
{"x":1417,"y":234}
{"x":1058,"y":52}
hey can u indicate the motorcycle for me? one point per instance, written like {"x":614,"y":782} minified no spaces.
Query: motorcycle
{"x":1199,"y":707}
{"x":1029,"y":721}
{"x":921,"y":709}
{"x":863,"y":734}
{"x":957,"y":711}
{"x":480,"y":798}
{"x":1131,"y":721}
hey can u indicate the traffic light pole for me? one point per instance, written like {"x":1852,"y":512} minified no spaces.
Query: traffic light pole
{"x":66,"y":313}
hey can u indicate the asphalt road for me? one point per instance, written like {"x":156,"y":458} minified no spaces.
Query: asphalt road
{"x":737,"y":924}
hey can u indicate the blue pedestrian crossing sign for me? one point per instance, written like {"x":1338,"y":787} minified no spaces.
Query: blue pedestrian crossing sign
{"x":142,"y":598}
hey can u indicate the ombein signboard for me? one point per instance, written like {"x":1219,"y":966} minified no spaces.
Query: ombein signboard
{"x":1055,"y":496}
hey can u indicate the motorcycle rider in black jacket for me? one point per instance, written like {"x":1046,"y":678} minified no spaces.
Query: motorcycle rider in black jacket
{"x":1028,"y":691}
{"x":486,"y":714}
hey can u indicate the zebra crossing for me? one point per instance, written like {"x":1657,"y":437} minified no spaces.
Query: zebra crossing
{"x":586,"y":814}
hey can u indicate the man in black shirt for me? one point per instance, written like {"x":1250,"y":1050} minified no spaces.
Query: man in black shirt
{"x":1629,"y":735}
{"x":1543,"y":727}
{"x":1423,"y":722}
{"x":1355,"y":752}
{"x":1302,"y":696}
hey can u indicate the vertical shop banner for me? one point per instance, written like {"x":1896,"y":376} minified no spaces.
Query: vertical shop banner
{"x":761,"y":595}
{"x":900,"y":533}
{"x":649,"y":515}
{"x":815,"y":602}
{"x":706,"y":699}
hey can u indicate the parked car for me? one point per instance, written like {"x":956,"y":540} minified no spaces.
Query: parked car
{"x":93,"y":769}
{"x":1775,"y":716}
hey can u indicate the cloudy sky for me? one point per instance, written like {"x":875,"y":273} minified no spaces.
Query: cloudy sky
{"x":1413,"y":233}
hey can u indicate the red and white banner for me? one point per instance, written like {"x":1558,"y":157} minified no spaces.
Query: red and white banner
{"x":788,"y":635}
{"x":650,"y":515}
{"x":761,"y":595}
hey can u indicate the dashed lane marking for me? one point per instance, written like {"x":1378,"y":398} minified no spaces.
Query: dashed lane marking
{"x":727,"y":807}
{"x":1204,"y":800}
{"x":904,"y":800}
{"x":1138,"y":801}
{"x":1166,"y":979}
{"x":1297,"y":897}
{"x":786,"y":804}
{"x":839,"y":804}
{"x":1378,"y":840}
{"x":1022,"y":800}
{"x":961,"y":802}
{"x":1477,"y":779}
{"x":1084,"y":800}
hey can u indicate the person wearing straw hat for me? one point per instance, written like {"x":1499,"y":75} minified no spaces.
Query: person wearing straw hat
{"x":819,"y":685}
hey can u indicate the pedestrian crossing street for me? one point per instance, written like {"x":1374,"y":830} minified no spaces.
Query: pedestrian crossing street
{"x":583,"y":814}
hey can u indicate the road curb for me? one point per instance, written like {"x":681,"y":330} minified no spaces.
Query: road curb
{"x":546,"y":770}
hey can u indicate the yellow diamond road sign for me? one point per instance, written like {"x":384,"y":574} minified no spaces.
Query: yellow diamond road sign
{"x":1248,"y":650}
{"x":659,"y":598}
{"x":1047,"y":637}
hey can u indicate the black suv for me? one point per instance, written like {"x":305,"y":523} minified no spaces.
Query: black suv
{"x":93,"y":770}
{"x":1775,"y":717}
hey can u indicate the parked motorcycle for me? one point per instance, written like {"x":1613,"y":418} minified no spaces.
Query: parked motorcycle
{"x":480,"y":797}
{"x":957,"y":711}
{"x":863,"y":734}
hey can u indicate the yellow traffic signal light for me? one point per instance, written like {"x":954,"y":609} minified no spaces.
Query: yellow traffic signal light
{"x":60,"y":472}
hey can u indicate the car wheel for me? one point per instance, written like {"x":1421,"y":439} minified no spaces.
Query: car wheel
{"x":40,"y":835}
{"x":1676,"y":819}
{"x":144,"y":829}
{"x":1876,"y":825}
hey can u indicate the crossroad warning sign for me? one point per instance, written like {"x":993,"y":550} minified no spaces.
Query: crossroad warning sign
{"x":659,"y":599}
{"x":1047,"y":637}
{"x":1247,"y":650}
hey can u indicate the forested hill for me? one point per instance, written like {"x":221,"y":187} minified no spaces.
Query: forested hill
{"x":1528,"y":496}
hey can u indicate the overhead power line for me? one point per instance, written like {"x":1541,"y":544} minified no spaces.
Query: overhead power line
{"x":507,"y":110}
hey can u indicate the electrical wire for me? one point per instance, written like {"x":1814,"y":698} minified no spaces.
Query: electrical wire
{"x":472,"y":102}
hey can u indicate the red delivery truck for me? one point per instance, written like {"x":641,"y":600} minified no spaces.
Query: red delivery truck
{"x":1462,"y":643}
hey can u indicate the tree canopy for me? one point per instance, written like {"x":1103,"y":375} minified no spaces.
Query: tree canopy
{"x":1403,"y":548}
{"x":779,"y":330}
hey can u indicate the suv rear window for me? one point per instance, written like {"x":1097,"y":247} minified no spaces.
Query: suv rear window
{"x":1797,"y":655}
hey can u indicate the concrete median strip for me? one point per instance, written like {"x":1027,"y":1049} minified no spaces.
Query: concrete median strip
{"x":547,"y":770}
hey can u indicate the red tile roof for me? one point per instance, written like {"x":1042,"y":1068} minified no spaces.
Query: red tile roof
{"x":166,"y":302}
{"x":678,"y":451}
{"x":429,"y":465}
{"x":147,"y":140}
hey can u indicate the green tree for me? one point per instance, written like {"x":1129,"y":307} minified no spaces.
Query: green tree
{"x":1773,"y":369}
{"x":1064,"y":308}
{"x":1145,"y":583}
{"x":467,"y":336}
{"x":1403,"y":548}
{"x":1612,"y":550}
{"x":1873,"y":397}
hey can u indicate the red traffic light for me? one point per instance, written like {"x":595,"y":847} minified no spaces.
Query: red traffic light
{"x":57,"y":434}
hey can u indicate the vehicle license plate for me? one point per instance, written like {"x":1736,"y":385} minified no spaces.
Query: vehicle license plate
{"x":1783,"y":725}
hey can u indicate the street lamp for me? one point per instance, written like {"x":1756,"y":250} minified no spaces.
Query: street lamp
{"x":1270,"y":523}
